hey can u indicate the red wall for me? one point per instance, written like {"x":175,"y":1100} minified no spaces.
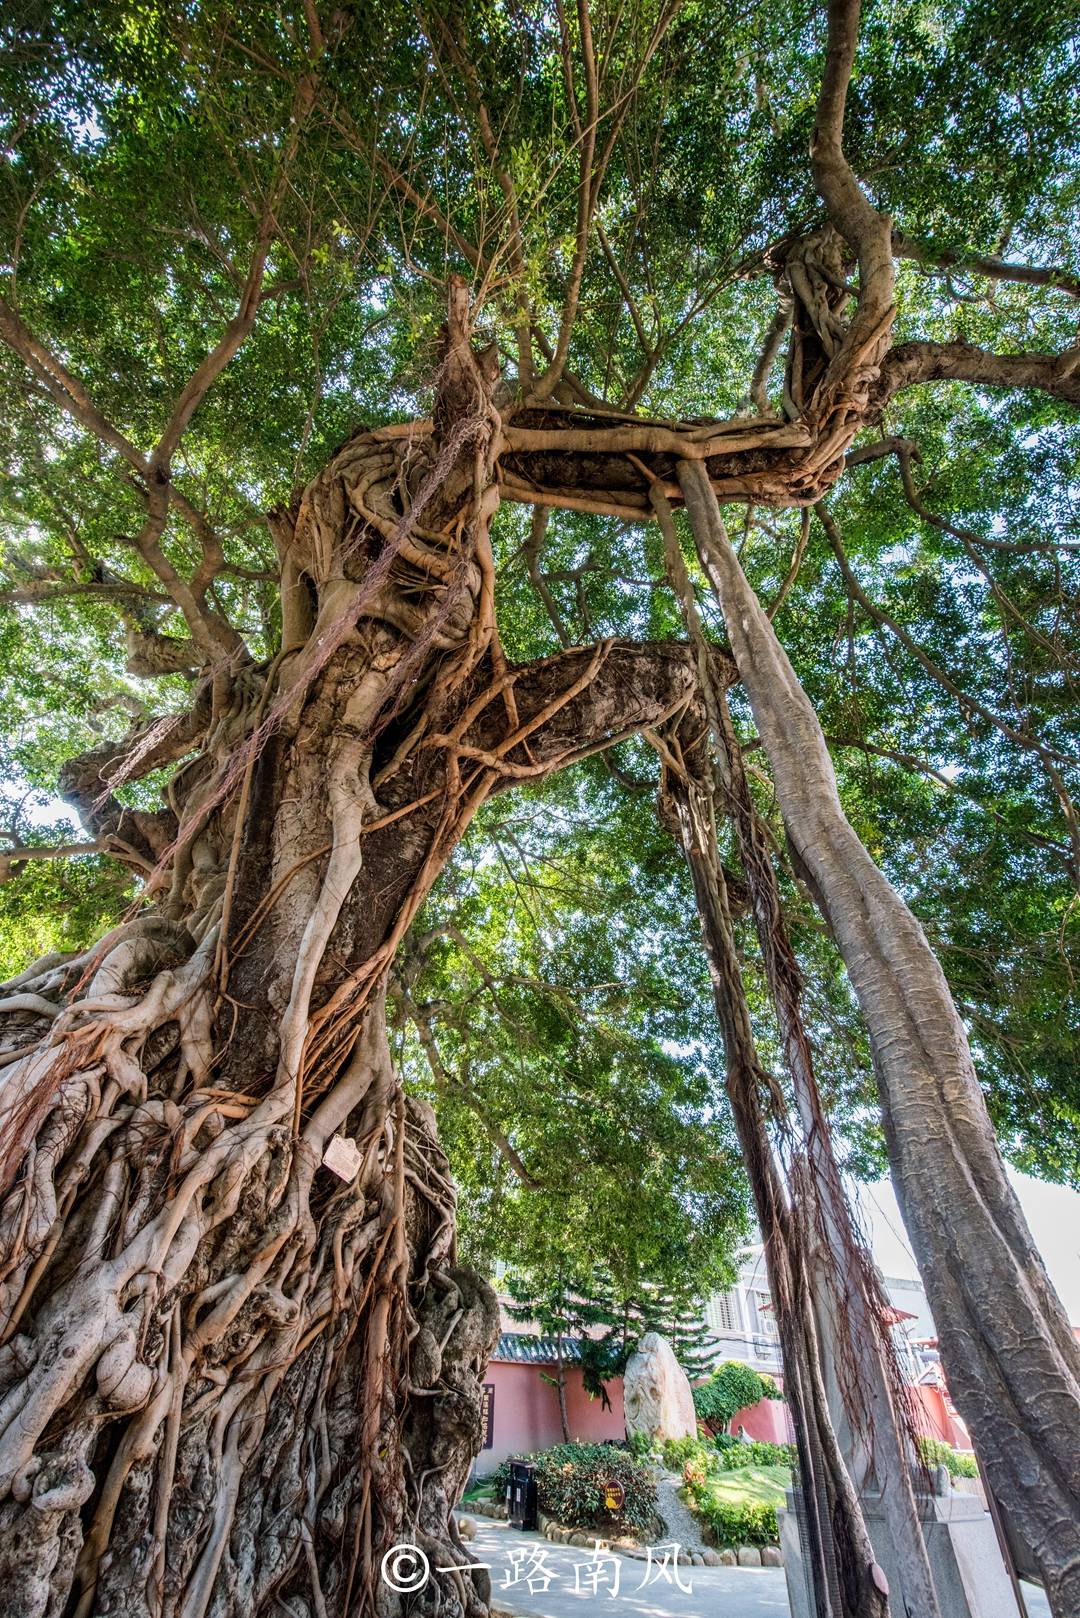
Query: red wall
{"x":935,"y":1418}
{"x":527,"y":1413}
{"x":769,"y":1421}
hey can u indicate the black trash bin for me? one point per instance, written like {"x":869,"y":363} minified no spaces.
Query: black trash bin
{"x":521,"y":1495}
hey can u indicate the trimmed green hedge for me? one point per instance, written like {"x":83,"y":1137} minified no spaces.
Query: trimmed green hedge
{"x":731,"y":1387}
{"x":757,"y":1453}
{"x":726,"y":1454}
{"x":570,"y":1482}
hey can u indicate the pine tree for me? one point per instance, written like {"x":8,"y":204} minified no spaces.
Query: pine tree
{"x":571,"y":1309}
{"x":678,"y":1315}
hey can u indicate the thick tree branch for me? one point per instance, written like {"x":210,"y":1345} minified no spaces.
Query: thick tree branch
{"x":879,"y":449}
{"x":87,"y":780}
{"x":993,"y":268}
{"x":916,"y":362}
{"x":44,"y":851}
{"x":866,"y":231}
{"x":634,"y":685}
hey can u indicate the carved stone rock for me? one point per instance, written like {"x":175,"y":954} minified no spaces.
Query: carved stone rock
{"x":656,"y":1392}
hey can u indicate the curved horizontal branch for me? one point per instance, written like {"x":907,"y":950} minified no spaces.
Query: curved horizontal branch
{"x":636,"y":685}
{"x":988,"y":265}
{"x":46,"y":851}
{"x":879,"y":449}
{"x":87,"y":781}
{"x":916,"y":362}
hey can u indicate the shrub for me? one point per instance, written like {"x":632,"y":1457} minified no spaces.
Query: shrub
{"x":570,"y":1482}
{"x":677,"y":1453}
{"x":755,"y":1453}
{"x":741,"y":1522}
{"x":641,"y":1445}
{"x":935,"y":1453}
{"x":731,"y":1386}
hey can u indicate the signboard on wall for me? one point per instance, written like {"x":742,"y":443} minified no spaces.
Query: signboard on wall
{"x":487,"y":1415}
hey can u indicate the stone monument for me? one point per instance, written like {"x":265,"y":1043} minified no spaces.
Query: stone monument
{"x":656,"y":1393}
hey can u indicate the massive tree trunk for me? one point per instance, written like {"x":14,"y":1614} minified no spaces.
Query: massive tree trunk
{"x":1012,"y":1361}
{"x":239,"y":1363}
{"x":231,"y":1378}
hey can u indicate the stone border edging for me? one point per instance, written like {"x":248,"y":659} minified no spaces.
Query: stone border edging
{"x":483,"y":1508}
{"x":696,"y":1555}
{"x":748,"y":1556}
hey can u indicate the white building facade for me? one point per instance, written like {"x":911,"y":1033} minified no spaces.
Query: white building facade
{"x":743,"y":1323}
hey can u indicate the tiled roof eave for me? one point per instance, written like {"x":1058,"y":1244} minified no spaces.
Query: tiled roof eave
{"x":529,"y":1348}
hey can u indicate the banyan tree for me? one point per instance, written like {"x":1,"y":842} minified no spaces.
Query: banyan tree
{"x":684,"y":282}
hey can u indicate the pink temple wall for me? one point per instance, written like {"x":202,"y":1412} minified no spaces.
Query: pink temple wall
{"x":936,"y":1418}
{"x":526,"y":1415}
{"x":769,"y":1421}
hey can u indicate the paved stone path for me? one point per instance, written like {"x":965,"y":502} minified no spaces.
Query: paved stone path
{"x":722,"y":1592}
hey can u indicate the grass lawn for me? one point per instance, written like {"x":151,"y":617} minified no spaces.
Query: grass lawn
{"x":756,"y":1483}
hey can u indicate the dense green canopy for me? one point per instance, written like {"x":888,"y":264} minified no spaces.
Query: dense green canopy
{"x":551,"y":1001}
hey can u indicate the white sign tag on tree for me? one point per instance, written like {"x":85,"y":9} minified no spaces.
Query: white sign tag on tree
{"x":342,"y":1157}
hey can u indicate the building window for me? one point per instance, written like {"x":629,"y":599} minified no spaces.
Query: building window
{"x":722,"y":1314}
{"x":765,"y":1315}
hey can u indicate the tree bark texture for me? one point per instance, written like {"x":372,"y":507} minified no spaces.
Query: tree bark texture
{"x":845,"y":1579}
{"x":863,"y":1382}
{"x":232,"y":1379}
{"x":1011,"y":1358}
